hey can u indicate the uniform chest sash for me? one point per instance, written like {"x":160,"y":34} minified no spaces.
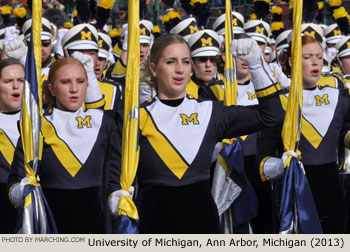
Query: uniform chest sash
{"x":9,"y":135}
{"x":318,"y":111}
{"x":72,"y":136}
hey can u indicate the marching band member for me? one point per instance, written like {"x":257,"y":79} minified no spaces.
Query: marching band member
{"x":104,"y":44}
{"x":205,"y":49}
{"x":174,"y":194}
{"x":73,"y":166}
{"x":11,"y":89}
{"x":84,"y":38}
{"x":117,"y":72}
{"x":325,"y":110}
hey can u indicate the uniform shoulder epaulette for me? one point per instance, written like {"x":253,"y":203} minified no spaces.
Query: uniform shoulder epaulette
{"x":189,"y":96}
{"x":147,"y":102}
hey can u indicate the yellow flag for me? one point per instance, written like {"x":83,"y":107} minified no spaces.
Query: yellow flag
{"x":130,"y":151}
{"x":292,"y":121}
{"x":230,"y":81}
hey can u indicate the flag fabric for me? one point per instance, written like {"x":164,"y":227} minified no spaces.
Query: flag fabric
{"x":298,"y":213}
{"x":127,"y":221}
{"x":35,"y":217}
{"x":229,"y":190}
{"x":297,"y":210}
{"x":232,"y":192}
{"x":230,"y":81}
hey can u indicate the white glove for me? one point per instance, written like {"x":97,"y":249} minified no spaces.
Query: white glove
{"x":331,"y":53}
{"x":125,"y":42}
{"x":93,"y":92}
{"x":246,"y":49}
{"x":60,"y":34}
{"x":279,"y":75}
{"x":273,"y":169}
{"x":221,"y":41}
{"x":113,"y":201}
{"x":16,"y":49}
{"x":11,"y":33}
{"x":86,"y":60}
{"x":17,"y":192}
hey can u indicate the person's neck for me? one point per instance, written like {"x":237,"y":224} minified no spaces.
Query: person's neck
{"x":241,"y":79}
{"x":10,"y":112}
{"x":309,"y":86}
{"x":46,"y":62}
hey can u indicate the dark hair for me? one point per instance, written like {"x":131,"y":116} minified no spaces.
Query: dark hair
{"x":284,"y":57}
{"x":9,"y":62}
{"x":157,"y":50}
{"x":47,"y":96}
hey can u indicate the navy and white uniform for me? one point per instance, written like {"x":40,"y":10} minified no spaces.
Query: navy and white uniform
{"x":79,"y":147}
{"x":177,"y":139}
{"x":325,"y":112}
{"x":9,"y":135}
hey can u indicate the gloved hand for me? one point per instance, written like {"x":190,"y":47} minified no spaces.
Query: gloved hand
{"x":86,"y":60}
{"x":93,"y":93}
{"x":11,"y":33}
{"x":279,"y":75}
{"x":17,"y":192}
{"x":125,"y":42}
{"x":331,"y":53}
{"x":273,"y":169}
{"x":16,"y":49}
{"x":60,"y":34}
{"x":113,"y":201}
{"x":246,"y":49}
{"x":221,"y":41}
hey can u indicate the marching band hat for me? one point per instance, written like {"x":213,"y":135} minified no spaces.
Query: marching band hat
{"x":312,"y":30}
{"x":343,"y":46}
{"x":323,"y":26}
{"x":80,"y":37}
{"x":45,"y":33}
{"x":237,"y":23}
{"x":185,"y":28}
{"x":146,"y":28}
{"x":204,"y":43}
{"x":105,"y":44}
{"x":332,"y":34}
{"x":258,"y":30}
{"x":282,"y":40}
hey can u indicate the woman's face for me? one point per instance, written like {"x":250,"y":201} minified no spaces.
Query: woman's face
{"x":172,"y":71}
{"x":69,"y":87}
{"x":11,"y":88}
{"x":312,"y":61}
{"x":205,"y":68}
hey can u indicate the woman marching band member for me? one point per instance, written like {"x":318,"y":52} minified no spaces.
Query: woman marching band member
{"x":178,"y":135}
{"x":325,"y":110}
{"x":79,"y":146}
{"x":11,"y":89}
